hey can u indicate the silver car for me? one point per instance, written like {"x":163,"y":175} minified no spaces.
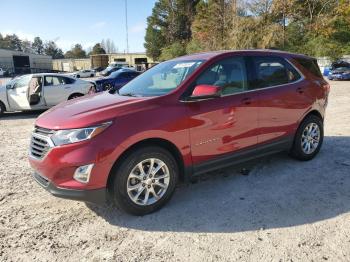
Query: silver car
{"x":40,"y":91}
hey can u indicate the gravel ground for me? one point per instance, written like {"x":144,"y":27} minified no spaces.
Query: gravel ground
{"x":284,"y":210}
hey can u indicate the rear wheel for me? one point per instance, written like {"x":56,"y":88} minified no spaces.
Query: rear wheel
{"x":145,"y":180}
{"x":308,"y":139}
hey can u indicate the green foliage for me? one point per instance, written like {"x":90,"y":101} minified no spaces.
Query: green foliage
{"x":38,"y":46}
{"x":11,"y":42}
{"x":97,"y":49}
{"x":170,"y":22}
{"x":51,"y":49}
{"x":76,"y":52}
{"x":316,"y":28}
{"x":173,"y":50}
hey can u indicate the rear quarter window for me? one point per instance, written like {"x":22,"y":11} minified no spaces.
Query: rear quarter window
{"x":273,"y":71}
{"x":310,"y":65}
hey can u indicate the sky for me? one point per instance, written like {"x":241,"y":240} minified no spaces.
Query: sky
{"x":77,"y":21}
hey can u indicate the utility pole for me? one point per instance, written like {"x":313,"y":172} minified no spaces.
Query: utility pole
{"x":284,"y":24}
{"x":126,"y":26}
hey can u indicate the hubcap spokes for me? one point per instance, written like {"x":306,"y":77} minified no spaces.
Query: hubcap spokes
{"x":148,"y":181}
{"x":310,"y":138}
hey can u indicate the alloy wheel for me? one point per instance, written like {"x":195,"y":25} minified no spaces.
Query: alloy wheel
{"x":310,"y":138}
{"x":148,"y":181}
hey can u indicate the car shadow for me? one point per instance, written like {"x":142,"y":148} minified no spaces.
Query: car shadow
{"x":21,"y":115}
{"x":279,"y":192}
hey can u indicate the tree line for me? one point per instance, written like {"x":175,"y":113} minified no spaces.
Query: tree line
{"x":312,"y":27}
{"x":38,"y":46}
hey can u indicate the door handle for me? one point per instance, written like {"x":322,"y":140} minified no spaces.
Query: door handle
{"x":300,"y":90}
{"x":246,"y":101}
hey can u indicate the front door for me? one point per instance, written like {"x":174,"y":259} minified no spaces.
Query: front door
{"x":223,"y":125}
{"x":17,"y":94}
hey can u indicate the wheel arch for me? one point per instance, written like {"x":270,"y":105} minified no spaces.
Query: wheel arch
{"x":74,"y":94}
{"x":163,"y":143}
{"x":3,"y":104}
{"x":313,"y":112}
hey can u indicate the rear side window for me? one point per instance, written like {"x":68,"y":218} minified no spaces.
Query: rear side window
{"x":310,"y":65}
{"x":68,"y":80}
{"x":273,"y":71}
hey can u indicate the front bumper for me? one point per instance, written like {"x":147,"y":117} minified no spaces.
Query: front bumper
{"x":95,"y":196}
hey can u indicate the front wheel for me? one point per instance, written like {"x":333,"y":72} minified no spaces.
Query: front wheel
{"x":308,"y":139}
{"x":2,"y":108}
{"x":145,"y":180}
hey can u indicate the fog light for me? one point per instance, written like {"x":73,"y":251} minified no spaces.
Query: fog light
{"x":82,"y":173}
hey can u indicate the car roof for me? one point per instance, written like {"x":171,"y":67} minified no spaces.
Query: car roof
{"x":213,"y":54}
{"x":49,"y":74}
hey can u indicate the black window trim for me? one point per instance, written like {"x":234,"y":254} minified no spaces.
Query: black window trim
{"x":302,"y":77}
{"x":249,"y":74}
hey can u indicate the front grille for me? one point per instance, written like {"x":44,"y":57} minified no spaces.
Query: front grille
{"x":40,"y":142}
{"x":43,"y":131}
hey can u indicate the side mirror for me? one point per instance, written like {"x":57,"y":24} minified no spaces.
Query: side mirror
{"x":205,"y":92}
{"x":9,"y":86}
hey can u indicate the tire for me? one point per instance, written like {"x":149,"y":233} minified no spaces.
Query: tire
{"x":124,"y":177}
{"x":78,"y":76}
{"x":2,"y":108}
{"x":300,"y":152}
{"x":91,"y":75}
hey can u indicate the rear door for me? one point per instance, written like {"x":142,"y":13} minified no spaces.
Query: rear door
{"x":55,"y":90}
{"x":282,"y":94}
{"x":226,"y":124}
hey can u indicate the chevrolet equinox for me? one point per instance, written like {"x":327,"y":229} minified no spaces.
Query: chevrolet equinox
{"x":181,"y":118}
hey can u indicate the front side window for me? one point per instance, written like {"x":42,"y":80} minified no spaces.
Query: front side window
{"x":271,"y":71}
{"x":22,"y":81}
{"x":160,"y":79}
{"x":229,"y":74}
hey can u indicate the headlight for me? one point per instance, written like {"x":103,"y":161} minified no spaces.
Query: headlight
{"x":70,"y":136}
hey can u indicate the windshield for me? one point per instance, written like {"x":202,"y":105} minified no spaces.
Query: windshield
{"x":160,"y":79}
{"x":115,"y":74}
{"x":342,"y":69}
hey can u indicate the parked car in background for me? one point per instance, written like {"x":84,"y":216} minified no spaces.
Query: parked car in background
{"x":98,"y":69}
{"x":84,"y":73}
{"x":114,"y":66}
{"x":109,"y":70}
{"x":339,"y":70}
{"x":180,"y":119}
{"x":115,"y":80}
{"x":40,"y":91}
{"x":2,"y":72}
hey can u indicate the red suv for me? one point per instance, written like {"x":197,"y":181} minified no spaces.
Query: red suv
{"x":181,"y":118}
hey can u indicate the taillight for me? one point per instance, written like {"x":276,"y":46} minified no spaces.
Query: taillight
{"x":326,"y":87}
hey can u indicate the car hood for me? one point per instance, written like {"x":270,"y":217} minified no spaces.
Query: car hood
{"x":89,"y":110}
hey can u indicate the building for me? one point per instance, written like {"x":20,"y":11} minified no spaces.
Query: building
{"x":20,"y":62}
{"x":137,"y":60}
